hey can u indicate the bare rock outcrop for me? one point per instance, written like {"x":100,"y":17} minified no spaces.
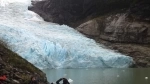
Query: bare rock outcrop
{"x":89,"y":28}
{"x":71,"y":12}
{"x":117,"y":28}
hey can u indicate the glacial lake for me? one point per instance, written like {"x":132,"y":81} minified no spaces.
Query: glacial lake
{"x":101,"y":76}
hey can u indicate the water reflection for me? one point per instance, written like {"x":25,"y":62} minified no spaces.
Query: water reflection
{"x":100,"y":76}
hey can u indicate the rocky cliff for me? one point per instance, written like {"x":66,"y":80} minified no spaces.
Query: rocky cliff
{"x":129,"y":26}
{"x":71,"y":12}
{"x":117,"y":28}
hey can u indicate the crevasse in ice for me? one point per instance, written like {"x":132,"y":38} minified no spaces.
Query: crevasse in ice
{"x":49,"y":45}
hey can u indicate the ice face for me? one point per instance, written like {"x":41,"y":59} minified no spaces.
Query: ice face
{"x":48,"y":45}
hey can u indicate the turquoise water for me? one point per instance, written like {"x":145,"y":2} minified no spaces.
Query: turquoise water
{"x":101,"y":76}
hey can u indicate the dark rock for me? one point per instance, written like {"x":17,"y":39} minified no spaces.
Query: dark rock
{"x":140,"y":11}
{"x":71,"y":11}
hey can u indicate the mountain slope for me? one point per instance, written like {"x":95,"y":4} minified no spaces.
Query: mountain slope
{"x":17,"y":69}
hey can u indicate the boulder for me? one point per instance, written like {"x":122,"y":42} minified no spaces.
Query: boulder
{"x":16,"y":82}
{"x":89,"y":28}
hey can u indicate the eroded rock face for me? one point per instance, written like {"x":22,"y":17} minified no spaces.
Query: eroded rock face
{"x":70,"y":11}
{"x":121,"y":30}
{"x":118,"y":28}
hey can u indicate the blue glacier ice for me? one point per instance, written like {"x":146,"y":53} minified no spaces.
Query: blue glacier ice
{"x":49,"y":45}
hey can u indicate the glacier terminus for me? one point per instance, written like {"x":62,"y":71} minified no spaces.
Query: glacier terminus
{"x":49,"y":45}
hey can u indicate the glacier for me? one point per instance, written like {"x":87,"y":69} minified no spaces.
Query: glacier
{"x":49,"y":45}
